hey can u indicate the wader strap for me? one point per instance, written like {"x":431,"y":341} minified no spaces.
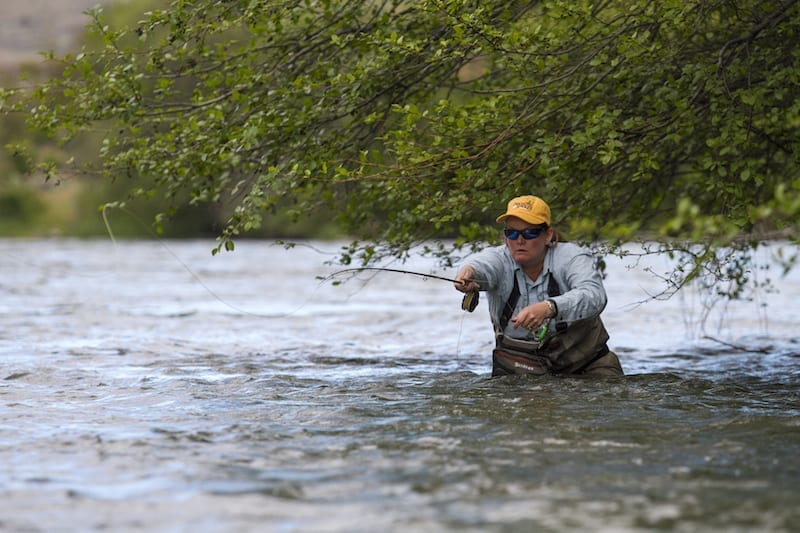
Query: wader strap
{"x":511,"y":304}
{"x":508,"y":309}
{"x":553,"y":289}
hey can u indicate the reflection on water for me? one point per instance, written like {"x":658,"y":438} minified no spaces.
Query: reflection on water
{"x":244,"y":395}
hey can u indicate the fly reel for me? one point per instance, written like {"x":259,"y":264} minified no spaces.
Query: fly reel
{"x":470,"y":301}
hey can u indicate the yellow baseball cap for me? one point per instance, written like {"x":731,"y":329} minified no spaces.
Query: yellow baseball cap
{"x":531,"y":209}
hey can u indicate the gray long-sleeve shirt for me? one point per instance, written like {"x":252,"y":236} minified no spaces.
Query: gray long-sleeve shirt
{"x":581,"y":285}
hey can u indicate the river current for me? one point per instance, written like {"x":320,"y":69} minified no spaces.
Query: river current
{"x":149,"y":386}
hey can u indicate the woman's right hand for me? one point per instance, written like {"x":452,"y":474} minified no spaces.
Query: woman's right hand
{"x":464,"y":281}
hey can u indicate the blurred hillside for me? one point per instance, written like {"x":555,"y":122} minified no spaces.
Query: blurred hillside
{"x":28,"y":205}
{"x":30,"y":26}
{"x":68,"y":204}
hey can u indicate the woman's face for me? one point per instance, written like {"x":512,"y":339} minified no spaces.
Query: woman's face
{"x":527,"y":252}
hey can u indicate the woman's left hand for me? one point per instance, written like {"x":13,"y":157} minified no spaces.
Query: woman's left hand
{"x":533,"y":316}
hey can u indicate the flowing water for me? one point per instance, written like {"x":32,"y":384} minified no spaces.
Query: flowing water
{"x":151,"y":387}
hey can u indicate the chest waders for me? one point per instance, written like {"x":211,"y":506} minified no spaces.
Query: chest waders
{"x":570,"y":350}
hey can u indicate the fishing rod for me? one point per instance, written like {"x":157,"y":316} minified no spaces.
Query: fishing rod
{"x":469,"y":303}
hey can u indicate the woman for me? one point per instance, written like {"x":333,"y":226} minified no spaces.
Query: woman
{"x":545,"y":298}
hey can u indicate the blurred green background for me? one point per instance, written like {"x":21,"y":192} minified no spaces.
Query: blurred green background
{"x":69,"y":205}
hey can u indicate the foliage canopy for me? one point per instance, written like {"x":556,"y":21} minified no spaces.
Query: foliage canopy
{"x":413,"y":120}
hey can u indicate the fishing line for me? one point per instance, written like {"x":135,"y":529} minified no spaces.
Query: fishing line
{"x":458,"y":341}
{"x":194,"y":276}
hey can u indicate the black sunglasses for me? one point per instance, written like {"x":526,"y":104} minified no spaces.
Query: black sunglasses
{"x":527,"y":233}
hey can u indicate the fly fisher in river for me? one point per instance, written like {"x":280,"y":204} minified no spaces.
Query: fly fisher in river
{"x":545,"y":298}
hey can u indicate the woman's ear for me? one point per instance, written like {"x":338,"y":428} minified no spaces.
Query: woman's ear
{"x":553,"y":237}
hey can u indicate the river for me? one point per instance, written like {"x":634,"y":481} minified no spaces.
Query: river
{"x":149,"y":386}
